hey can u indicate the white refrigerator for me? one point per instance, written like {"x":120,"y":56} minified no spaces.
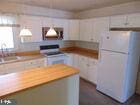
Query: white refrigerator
{"x":118,"y":64}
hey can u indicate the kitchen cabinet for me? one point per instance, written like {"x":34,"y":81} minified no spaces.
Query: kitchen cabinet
{"x":20,"y":66}
{"x":83,"y":65}
{"x":74,"y":26}
{"x":13,"y":67}
{"x":125,"y":21}
{"x":36,"y":63}
{"x":66,"y":29}
{"x":92,"y":70}
{"x":62,"y":23}
{"x":86,"y":30}
{"x":69,"y":59}
{"x":87,"y":66}
{"x":134,"y":20}
{"x":76,"y":61}
{"x":46,"y":22}
{"x":118,"y":21}
{"x":34,"y":24}
{"x":100,"y":26}
{"x":1,"y":69}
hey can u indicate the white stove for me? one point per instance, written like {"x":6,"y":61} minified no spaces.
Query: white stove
{"x":53,"y":54}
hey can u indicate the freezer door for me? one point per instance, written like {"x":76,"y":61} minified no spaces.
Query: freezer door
{"x":117,"y":41}
{"x":111,"y":74}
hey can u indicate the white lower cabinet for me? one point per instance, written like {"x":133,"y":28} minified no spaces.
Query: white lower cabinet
{"x":36,"y":63}
{"x":20,"y":66}
{"x":76,"y":61}
{"x":83,"y":65}
{"x":88,"y":68}
{"x":69,"y":59}
{"x":92,"y":71}
{"x":13,"y":67}
{"x":1,"y":69}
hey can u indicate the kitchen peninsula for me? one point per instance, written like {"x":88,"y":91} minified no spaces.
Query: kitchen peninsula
{"x":52,"y":85}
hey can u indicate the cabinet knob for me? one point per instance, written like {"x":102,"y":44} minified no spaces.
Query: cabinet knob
{"x":107,"y":37}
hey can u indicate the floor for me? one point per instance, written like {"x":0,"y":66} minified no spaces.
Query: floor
{"x":90,"y":96}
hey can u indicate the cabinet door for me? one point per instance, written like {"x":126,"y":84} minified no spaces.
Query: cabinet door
{"x":34,"y":24}
{"x":83,"y":61}
{"x":92,"y":71}
{"x":58,"y":22}
{"x":46,"y":22}
{"x":134,"y":20}
{"x":74,"y":26}
{"x":100,"y":26}
{"x":62,"y":23}
{"x":2,"y":70}
{"x":14,"y":67}
{"x":37,"y":63}
{"x":30,"y":64}
{"x":86,"y":30}
{"x":76,"y":61}
{"x":40,"y":62}
{"x":70,"y":59}
{"x":118,"y":21}
{"x":66,"y":29}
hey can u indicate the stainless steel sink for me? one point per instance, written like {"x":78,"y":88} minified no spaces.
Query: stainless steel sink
{"x":10,"y":59}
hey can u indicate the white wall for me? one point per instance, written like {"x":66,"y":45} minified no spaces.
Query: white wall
{"x":32,"y":10}
{"x":132,"y":7}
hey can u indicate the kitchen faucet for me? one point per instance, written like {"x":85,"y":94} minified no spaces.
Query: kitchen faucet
{"x":3,"y":46}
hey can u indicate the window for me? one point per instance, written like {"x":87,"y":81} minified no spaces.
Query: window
{"x":6,"y":37}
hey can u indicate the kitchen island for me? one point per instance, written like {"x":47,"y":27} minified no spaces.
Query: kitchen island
{"x":52,"y":85}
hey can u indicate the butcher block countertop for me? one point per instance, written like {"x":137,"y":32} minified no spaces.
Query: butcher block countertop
{"x":16,"y":82}
{"x":81,"y":51}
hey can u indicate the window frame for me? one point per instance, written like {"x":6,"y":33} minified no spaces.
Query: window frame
{"x":14,"y":40}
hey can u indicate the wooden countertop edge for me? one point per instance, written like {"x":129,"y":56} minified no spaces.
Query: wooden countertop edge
{"x":26,"y":88}
{"x":81,"y":51}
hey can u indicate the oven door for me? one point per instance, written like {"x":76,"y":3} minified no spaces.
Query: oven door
{"x":61,"y":59}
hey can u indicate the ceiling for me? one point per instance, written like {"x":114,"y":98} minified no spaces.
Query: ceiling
{"x":73,"y":5}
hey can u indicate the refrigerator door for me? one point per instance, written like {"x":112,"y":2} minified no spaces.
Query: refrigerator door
{"x":111,"y":74}
{"x":117,"y":41}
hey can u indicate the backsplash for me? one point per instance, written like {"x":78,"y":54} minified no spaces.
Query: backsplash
{"x":23,"y":47}
{"x":88,"y":45}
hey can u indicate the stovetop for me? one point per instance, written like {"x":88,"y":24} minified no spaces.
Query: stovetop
{"x":53,"y":53}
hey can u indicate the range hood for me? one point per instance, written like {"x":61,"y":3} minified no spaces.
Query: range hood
{"x":125,"y":29}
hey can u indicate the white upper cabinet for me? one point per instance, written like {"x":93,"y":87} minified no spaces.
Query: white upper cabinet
{"x":134,"y":20}
{"x":124,"y":21}
{"x":58,"y":22}
{"x":46,"y":22}
{"x":100,"y":26}
{"x":86,"y":30}
{"x":74,"y":26}
{"x":34,"y":24}
{"x":62,"y":23}
{"x":118,"y":21}
{"x":83,"y":62}
{"x":66,"y":29}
